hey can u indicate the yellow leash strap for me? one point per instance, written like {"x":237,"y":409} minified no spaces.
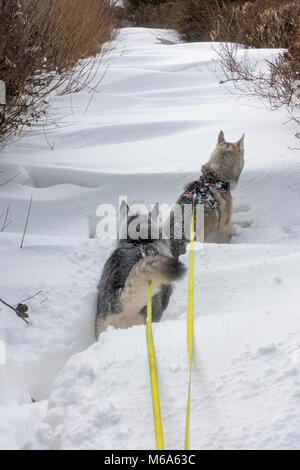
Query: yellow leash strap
{"x":153,"y":372}
{"x":153,"y":375}
{"x":190,"y":329}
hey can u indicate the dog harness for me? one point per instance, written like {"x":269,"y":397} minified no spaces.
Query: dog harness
{"x":201,"y":191}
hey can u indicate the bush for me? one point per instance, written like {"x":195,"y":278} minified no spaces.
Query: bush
{"x":259,"y":24}
{"x":192,"y":18}
{"x":275,"y":86}
{"x":196,"y":19}
{"x":41,"y":43}
{"x":151,"y":13}
{"x":253,"y":23}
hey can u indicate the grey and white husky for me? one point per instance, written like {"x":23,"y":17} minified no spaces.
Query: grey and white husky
{"x":123,"y":288}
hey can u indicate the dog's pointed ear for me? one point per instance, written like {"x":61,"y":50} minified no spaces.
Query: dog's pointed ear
{"x":221,"y":138}
{"x":124,"y":210}
{"x":241,"y":142}
{"x":155,"y":212}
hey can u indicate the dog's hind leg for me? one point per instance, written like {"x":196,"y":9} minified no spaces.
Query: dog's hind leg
{"x":121,"y":320}
{"x":225,"y":226}
{"x":160,"y":270}
{"x":157,"y":308}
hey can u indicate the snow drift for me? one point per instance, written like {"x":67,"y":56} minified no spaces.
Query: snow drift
{"x":147,"y":131}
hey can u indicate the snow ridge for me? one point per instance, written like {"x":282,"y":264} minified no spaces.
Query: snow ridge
{"x":148,"y":130}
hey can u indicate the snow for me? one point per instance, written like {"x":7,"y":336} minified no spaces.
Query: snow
{"x":18,"y":422}
{"x":148,"y":129}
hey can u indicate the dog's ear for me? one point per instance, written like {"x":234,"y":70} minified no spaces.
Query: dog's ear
{"x":124,"y":210}
{"x":155,"y":212}
{"x":240,"y":143}
{"x":221,"y":138}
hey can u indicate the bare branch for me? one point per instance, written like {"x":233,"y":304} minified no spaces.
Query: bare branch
{"x":47,"y":140}
{"x":11,"y":179}
{"x":21,"y":310}
{"x":32,"y":297}
{"x":5,"y":220}
{"x":274,"y":85}
{"x":68,"y":45}
{"x":27,"y":220}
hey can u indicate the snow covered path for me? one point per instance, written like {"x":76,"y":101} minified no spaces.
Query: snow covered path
{"x":148,"y":130}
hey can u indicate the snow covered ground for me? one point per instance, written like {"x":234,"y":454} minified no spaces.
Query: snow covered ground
{"x":148,"y":129}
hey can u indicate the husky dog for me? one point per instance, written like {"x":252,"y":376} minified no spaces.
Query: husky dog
{"x":123,"y":288}
{"x":212,"y":191}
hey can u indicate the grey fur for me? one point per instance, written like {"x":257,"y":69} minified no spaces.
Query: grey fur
{"x":122,"y":292}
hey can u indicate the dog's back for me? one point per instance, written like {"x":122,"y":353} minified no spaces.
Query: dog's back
{"x":123,"y":287}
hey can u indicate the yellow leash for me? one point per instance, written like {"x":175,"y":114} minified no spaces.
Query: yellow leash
{"x":153,"y":372}
{"x":151,"y":354}
{"x":153,"y":375}
{"x":190,"y":330}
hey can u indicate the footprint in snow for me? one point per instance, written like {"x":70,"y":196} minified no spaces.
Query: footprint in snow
{"x":241,"y":208}
{"x":244,"y":223}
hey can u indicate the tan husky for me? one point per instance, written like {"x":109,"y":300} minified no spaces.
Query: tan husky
{"x":225,"y":166}
{"x":212,"y":191}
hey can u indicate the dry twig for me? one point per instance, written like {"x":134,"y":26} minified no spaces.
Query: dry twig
{"x":26,"y":224}
{"x":42,"y":47}
{"x":274,"y":85}
{"x":11,"y":179}
{"x":21,"y":310}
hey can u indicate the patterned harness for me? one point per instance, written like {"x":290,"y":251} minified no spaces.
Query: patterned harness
{"x":201,"y":192}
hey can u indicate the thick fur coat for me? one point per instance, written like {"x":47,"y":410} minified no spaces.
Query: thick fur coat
{"x":123,"y":288}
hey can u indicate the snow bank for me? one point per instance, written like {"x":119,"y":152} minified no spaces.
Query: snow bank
{"x":147,"y":131}
{"x":246,"y":366}
{"x":18,"y":422}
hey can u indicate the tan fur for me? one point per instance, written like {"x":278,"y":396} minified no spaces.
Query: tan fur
{"x":135,"y":293}
{"x":119,"y":321}
{"x":226,"y":163}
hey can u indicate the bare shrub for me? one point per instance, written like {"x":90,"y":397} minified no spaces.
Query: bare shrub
{"x":262,"y":23}
{"x":41,"y":43}
{"x":253,"y":23}
{"x":151,"y":13}
{"x":196,"y":18}
{"x":275,"y":85}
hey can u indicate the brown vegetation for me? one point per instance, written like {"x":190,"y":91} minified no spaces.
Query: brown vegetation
{"x":253,"y":23}
{"x":259,"y":24}
{"x":275,"y":86}
{"x":41,"y":44}
{"x":238,"y":24}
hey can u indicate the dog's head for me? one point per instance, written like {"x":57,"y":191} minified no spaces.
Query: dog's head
{"x":227,"y":161}
{"x":138,"y":226}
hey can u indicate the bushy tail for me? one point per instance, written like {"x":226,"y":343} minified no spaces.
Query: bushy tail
{"x":159,"y":269}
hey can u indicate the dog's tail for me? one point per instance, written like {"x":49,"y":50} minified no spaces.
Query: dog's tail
{"x":159,"y":269}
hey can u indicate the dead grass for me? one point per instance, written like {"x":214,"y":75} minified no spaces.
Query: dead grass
{"x":258,"y":24}
{"x":253,"y":23}
{"x":41,"y":44}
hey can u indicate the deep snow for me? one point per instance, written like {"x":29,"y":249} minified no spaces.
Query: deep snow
{"x":149,"y":128}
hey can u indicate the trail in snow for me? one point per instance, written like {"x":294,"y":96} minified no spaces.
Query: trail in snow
{"x":148,"y":130}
